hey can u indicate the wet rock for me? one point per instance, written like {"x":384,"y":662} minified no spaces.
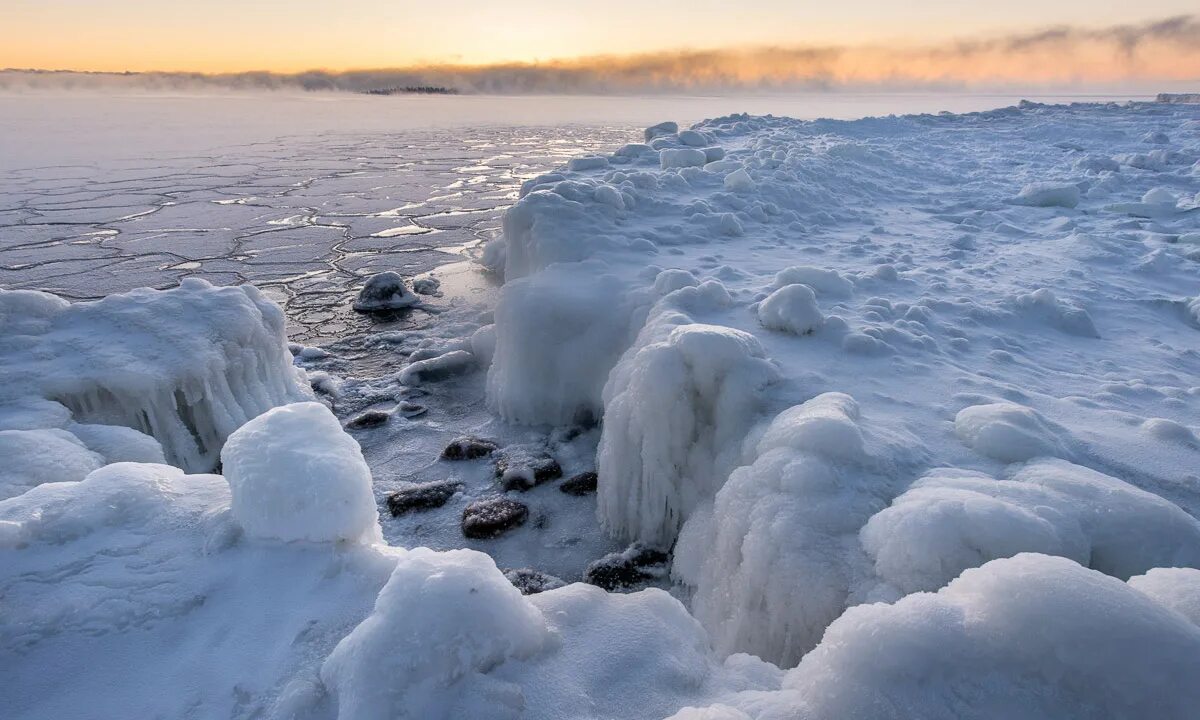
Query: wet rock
{"x":424,"y":496}
{"x":637,"y":564}
{"x":368,"y":419}
{"x":385,"y":291}
{"x":408,"y":409}
{"x":426,"y":286}
{"x":521,"y":468}
{"x":532,"y":582}
{"x":492,"y":517}
{"x":468,"y":448}
{"x":581,"y":484}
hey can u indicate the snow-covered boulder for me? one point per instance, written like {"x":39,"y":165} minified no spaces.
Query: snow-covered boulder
{"x":822,"y":281}
{"x":791,"y":309}
{"x":675,"y":413}
{"x":385,"y":291}
{"x":187,"y":366}
{"x":1009,"y":432}
{"x":295,"y":474}
{"x":673,"y":279}
{"x":739,"y":181}
{"x":442,"y":625}
{"x":1044,"y":306}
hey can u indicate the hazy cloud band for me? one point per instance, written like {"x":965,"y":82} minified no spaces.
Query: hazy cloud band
{"x":1165,"y":50}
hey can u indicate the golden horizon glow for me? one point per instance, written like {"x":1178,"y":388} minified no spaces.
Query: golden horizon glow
{"x":226,"y":36}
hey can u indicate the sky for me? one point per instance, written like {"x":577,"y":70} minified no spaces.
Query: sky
{"x":217,"y":36}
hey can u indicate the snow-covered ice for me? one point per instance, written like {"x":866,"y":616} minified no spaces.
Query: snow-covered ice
{"x":908,"y":403}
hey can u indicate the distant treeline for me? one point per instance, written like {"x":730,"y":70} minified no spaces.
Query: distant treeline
{"x":419,"y":89}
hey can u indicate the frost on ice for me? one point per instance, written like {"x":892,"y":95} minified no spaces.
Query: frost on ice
{"x":187,"y":366}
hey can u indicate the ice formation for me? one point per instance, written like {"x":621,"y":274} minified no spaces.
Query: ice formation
{"x":563,"y":333}
{"x":187,"y":366}
{"x":786,"y":520}
{"x":385,"y":291}
{"x":676,"y":410}
{"x":296,"y":475}
{"x":952,"y":520}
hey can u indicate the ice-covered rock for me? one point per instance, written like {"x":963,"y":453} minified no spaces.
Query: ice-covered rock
{"x":187,"y":366}
{"x":385,"y":291}
{"x":673,"y":279}
{"x":661,"y":129}
{"x":296,"y":475}
{"x":116,"y":443}
{"x":582,"y":164}
{"x":676,"y":411}
{"x":791,"y":309}
{"x":426,"y":286}
{"x":438,"y":367}
{"x":1008,"y":432}
{"x":692,"y":138}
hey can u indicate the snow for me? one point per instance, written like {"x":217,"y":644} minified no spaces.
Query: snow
{"x":33,"y":457}
{"x":792,"y":309}
{"x":295,"y":474}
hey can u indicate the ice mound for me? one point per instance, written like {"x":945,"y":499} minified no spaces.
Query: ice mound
{"x":952,"y":520}
{"x":1048,"y":194}
{"x":117,"y":443}
{"x":385,"y":291}
{"x":791,"y":309}
{"x":1008,"y":432}
{"x":561,"y":335}
{"x":296,"y":475}
{"x":33,"y":457}
{"x":681,"y":158}
{"x":188,"y":365}
{"x":822,"y":281}
{"x":442,"y":625}
{"x":1176,"y":588}
{"x":1030,"y":637}
{"x":558,"y":223}
{"x":675,"y":413}
{"x":785,"y":521}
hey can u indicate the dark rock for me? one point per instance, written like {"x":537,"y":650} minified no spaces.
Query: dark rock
{"x":491,"y":518}
{"x":521,"y":468}
{"x":368,"y":419}
{"x":425,"y":496}
{"x":637,"y":564}
{"x":468,"y":448}
{"x":382,"y":292}
{"x":532,"y":582}
{"x":581,"y":484}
